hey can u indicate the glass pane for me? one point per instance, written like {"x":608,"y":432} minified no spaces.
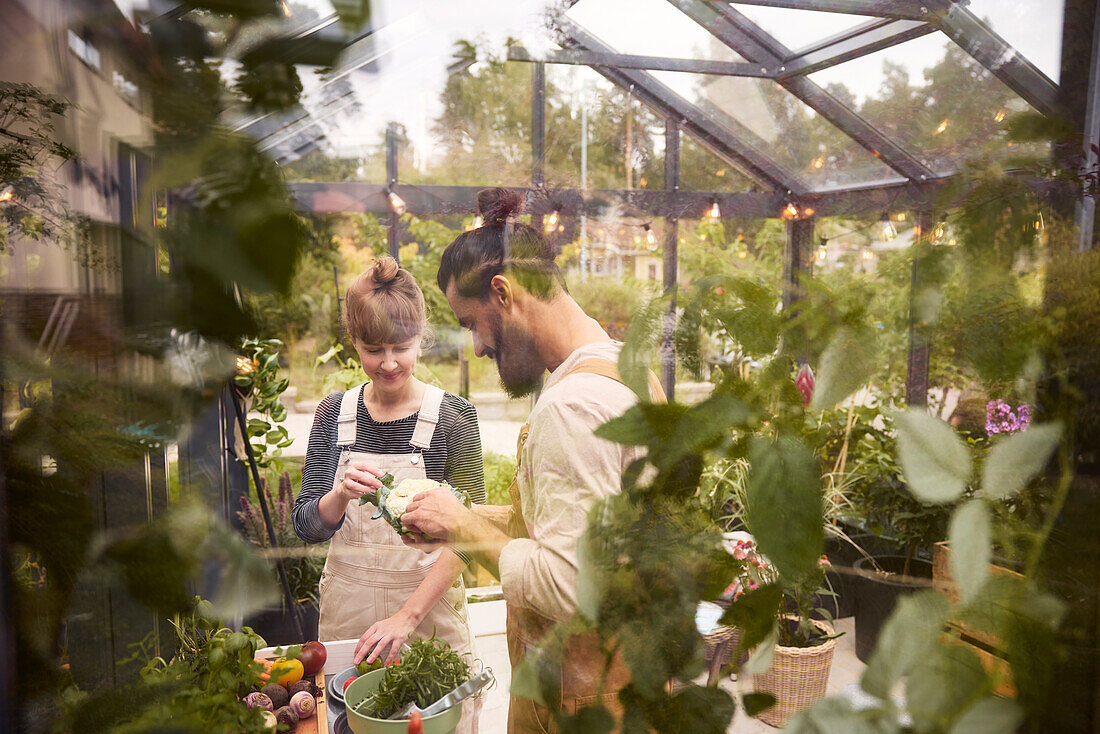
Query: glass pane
{"x":649,"y":28}
{"x":798,"y":28}
{"x":1033,"y":27}
{"x":767,"y":117}
{"x":931,"y":98}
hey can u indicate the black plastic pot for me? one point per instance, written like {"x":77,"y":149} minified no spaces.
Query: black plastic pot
{"x":276,"y":625}
{"x":876,"y":594}
{"x":841,"y":578}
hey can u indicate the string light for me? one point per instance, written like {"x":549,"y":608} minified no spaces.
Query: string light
{"x":940,"y":230}
{"x":714,"y":214}
{"x":551,"y":222}
{"x":650,"y":237}
{"x":889,"y":231}
{"x":720,"y":172}
{"x":397,"y":204}
{"x":7,"y":194}
{"x":823,"y":250}
{"x":245,"y":365}
{"x":868,"y":255}
{"x":790,"y":211}
{"x":742,"y":254}
{"x":1040,"y":225}
{"x":942,"y":126}
{"x":1000,"y":116}
{"x":819,"y":162}
{"x":900,"y":216}
{"x":808,"y":211}
{"x":478,"y":221}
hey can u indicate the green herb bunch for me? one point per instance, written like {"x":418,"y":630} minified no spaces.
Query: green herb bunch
{"x":429,"y":670}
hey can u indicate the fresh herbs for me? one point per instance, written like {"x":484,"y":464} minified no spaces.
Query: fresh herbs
{"x":429,"y":670}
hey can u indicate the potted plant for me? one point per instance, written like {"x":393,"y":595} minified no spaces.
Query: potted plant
{"x":303,"y":564}
{"x":896,"y":518}
{"x":803,"y":644}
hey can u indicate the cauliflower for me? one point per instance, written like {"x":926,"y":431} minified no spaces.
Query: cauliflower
{"x":398,"y":500}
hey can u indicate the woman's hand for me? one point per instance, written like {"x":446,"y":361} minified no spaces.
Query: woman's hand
{"x":391,"y":632}
{"x":360,"y":478}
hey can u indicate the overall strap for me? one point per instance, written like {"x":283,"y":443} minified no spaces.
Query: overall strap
{"x":428,"y":418}
{"x":607,"y":368}
{"x":345,"y":424}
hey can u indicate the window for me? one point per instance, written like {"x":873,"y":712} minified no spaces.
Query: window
{"x":83,"y":48}
{"x":653,"y":271}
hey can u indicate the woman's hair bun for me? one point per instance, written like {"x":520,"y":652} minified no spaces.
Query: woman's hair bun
{"x":499,"y":204}
{"x":384,"y":271}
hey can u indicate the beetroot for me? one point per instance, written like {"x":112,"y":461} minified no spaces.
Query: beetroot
{"x":259,"y":701}
{"x":303,"y":685}
{"x":303,"y":704}
{"x":288,"y":716}
{"x":278,"y":695}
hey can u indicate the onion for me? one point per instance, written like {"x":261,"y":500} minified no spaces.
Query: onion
{"x":303,"y":704}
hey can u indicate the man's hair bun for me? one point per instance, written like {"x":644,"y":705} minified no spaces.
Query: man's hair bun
{"x":498,"y":204}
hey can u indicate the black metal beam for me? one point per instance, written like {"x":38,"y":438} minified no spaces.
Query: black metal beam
{"x":671,"y":257}
{"x":752,"y":161}
{"x":753,"y":43}
{"x":392,"y":239}
{"x":854,"y":43}
{"x":798,"y":246}
{"x":910,"y":9}
{"x":1085,"y":214}
{"x":578,"y":57}
{"x":428,"y":200}
{"x":1001,"y":59}
{"x":916,"y":375}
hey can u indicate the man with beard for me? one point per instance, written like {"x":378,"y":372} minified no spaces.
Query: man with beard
{"x":503,"y":285}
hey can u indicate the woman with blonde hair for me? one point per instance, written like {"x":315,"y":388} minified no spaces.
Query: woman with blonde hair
{"x":398,"y":424}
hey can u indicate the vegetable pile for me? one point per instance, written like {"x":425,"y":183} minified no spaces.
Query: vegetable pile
{"x":289,"y":692}
{"x":393,"y":501}
{"x":429,"y":670}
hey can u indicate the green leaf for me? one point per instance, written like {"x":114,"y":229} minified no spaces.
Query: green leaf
{"x":1015,"y":460}
{"x":934,"y":460}
{"x":525,"y":679}
{"x":754,"y":613}
{"x":913,"y":627}
{"x":835,"y":715}
{"x":757,"y":703}
{"x":589,"y":720}
{"x":971,"y":539}
{"x":991,"y":715}
{"x":943,"y":683}
{"x":846,"y":365}
{"x":761,"y":658}
{"x":784,"y":507}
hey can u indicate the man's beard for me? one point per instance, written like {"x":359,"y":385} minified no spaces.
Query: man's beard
{"x":517,"y":359}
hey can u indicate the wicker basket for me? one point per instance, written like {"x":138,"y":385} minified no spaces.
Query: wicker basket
{"x":797,"y":678}
{"x":714,"y":640}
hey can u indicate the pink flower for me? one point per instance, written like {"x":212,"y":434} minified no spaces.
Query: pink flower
{"x":804,"y":380}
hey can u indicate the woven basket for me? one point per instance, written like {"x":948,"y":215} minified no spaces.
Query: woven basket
{"x":797,"y":678}
{"x":713,"y":640}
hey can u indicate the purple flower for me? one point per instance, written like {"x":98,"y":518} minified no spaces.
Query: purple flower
{"x":1001,"y":418}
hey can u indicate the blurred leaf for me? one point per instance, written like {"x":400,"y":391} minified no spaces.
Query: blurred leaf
{"x":991,"y":715}
{"x":754,"y":613}
{"x":934,"y":460}
{"x":757,"y":703}
{"x":589,"y":720}
{"x":705,"y":710}
{"x":784,"y":506}
{"x":846,"y":365}
{"x":1015,"y":460}
{"x":942,"y":683}
{"x":834,"y":715}
{"x":971,"y":538}
{"x":913,"y":627}
{"x":638,"y":347}
{"x":761,"y":658}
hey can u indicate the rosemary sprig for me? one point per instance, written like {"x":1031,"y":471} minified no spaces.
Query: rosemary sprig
{"x":429,"y":669}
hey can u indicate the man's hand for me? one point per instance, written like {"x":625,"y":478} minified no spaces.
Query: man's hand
{"x":435,"y":515}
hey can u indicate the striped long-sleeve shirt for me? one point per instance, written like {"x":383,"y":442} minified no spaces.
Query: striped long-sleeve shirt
{"x":454,"y":455}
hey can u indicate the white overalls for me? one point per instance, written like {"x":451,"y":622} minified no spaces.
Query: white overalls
{"x":369,"y":573}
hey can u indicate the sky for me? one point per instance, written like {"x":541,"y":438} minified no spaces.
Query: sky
{"x":415,"y":42}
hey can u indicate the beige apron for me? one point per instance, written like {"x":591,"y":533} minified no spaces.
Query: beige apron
{"x":583,"y":660}
{"x":369,"y":573}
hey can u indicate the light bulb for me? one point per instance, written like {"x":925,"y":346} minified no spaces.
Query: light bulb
{"x":790,"y":211}
{"x":551,"y":222}
{"x":650,"y":237}
{"x":396,"y":203}
{"x":889,"y":232}
{"x":7,"y":194}
{"x":715,"y":213}
{"x":478,"y":221}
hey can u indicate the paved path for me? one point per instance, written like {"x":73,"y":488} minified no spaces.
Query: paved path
{"x":496,"y":436}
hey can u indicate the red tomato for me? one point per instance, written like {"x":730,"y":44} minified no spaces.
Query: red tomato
{"x":349,"y":683}
{"x":313,"y":657}
{"x":416,"y":724}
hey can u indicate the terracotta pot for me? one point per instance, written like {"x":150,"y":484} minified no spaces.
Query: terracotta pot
{"x":798,"y":677}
